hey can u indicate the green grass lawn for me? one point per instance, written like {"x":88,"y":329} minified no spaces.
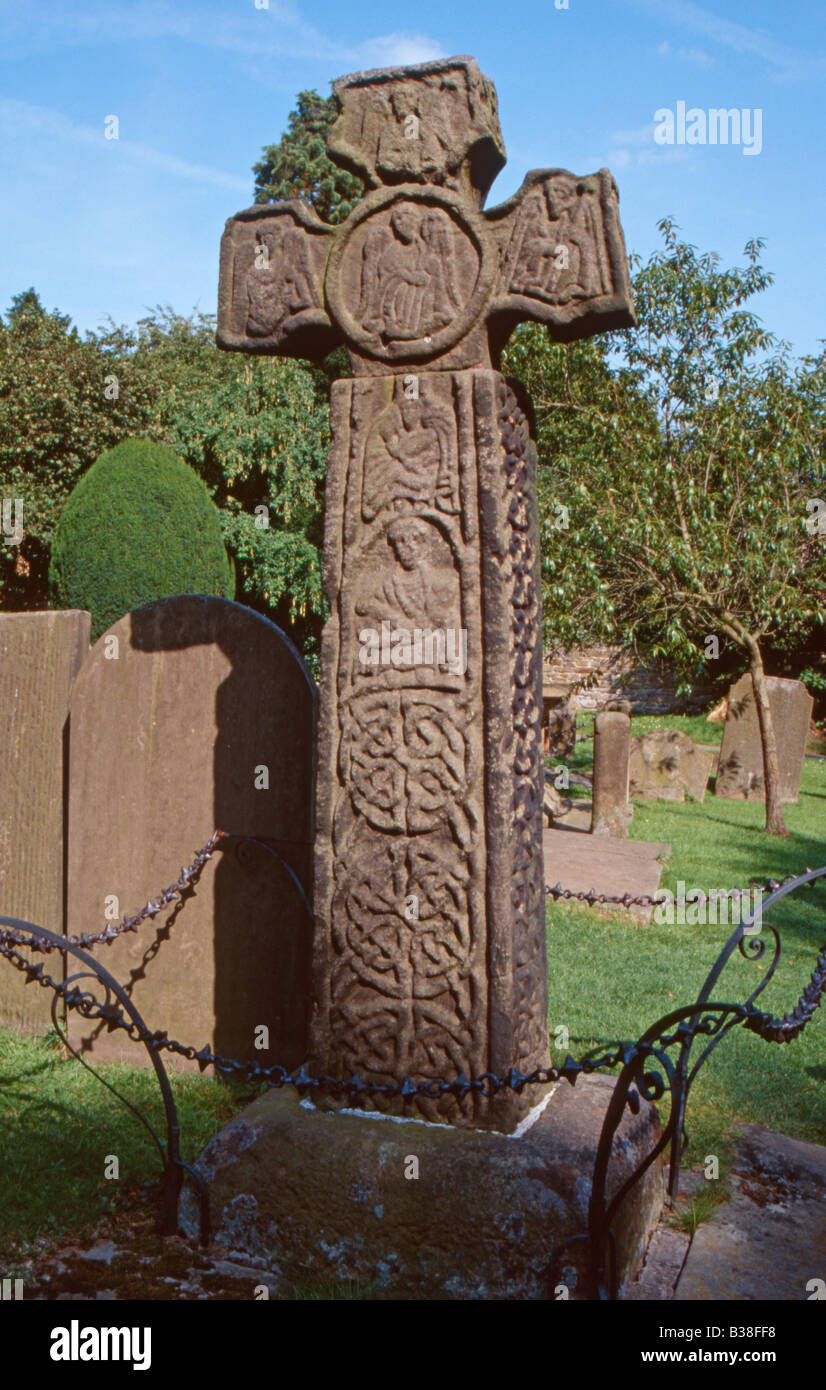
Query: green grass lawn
{"x":610,"y":978}
{"x":58,"y":1125}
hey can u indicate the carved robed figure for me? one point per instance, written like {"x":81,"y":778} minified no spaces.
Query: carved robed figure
{"x":429,"y":946}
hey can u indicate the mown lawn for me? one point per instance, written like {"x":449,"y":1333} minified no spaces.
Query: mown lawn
{"x":58,"y":1126}
{"x":610,"y":977}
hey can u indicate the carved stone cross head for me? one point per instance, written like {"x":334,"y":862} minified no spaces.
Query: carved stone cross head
{"x":419,"y":274}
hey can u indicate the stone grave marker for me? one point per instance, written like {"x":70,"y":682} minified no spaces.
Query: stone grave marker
{"x":429,"y":953}
{"x":740,"y":770}
{"x":429,"y":947}
{"x":612,"y":813}
{"x":194,"y":714}
{"x":665,"y":764}
{"x":40,"y":655}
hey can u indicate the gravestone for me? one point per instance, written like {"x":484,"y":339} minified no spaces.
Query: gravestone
{"x":740,"y":771}
{"x":429,"y":948}
{"x":560,"y":730}
{"x":665,"y":764}
{"x":612,"y":813}
{"x":194,"y":714}
{"x":40,"y":655}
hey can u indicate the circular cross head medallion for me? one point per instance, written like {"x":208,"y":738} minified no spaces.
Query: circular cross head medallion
{"x":409,"y":274}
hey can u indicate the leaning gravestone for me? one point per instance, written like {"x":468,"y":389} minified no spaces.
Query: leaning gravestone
{"x":665,"y":764}
{"x":429,"y":955}
{"x":190,"y":715}
{"x":40,"y":655}
{"x":740,"y":770}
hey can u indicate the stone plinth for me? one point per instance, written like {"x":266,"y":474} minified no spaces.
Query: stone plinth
{"x":606,"y":865}
{"x":335,"y":1196}
{"x":40,"y":655}
{"x":740,"y":772}
{"x":768,"y":1242}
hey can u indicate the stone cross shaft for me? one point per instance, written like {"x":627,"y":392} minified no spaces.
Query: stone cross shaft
{"x":429,"y":946}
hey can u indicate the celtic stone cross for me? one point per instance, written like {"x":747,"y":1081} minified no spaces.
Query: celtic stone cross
{"x":429,"y":946}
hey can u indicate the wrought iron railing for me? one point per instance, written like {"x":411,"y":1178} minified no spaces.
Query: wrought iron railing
{"x":648,"y":1070}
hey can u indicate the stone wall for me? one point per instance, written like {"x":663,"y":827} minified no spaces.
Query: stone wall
{"x":620,"y":675}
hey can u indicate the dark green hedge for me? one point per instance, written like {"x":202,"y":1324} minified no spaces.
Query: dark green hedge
{"x":139,"y":526}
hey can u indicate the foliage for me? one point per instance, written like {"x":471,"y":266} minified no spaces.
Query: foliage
{"x":685,"y":467}
{"x":54,"y":421}
{"x":59,"y":1124}
{"x":139,"y":526}
{"x":684,"y":464}
{"x":299,"y":167}
{"x":257,"y":431}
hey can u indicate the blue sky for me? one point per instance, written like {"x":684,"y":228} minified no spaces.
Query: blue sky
{"x":113,"y":227}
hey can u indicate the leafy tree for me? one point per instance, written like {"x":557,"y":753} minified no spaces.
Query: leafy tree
{"x":685,"y":467}
{"x":139,"y":526}
{"x":298,"y":166}
{"x":257,"y":431}
{"x":57,"y":414}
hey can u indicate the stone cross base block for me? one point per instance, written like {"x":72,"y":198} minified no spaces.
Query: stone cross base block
{"x":415,"y":1210}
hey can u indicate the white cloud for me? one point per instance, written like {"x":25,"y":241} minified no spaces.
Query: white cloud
{"x":786,"y":61}
{"x":637,"y":148}
{"x":397,"y":50}
{"x":279,"y":31}
{"x":626,"y":159}
{"x":643,"y":135}
{"x":21,"y":120}
{"x":696,"y":55}
{"x":688,"y":55}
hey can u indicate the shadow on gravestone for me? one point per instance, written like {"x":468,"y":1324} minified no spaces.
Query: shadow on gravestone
{"x":740,"y":772}
{"x":172,"y":724}
{"x":40,"y":655}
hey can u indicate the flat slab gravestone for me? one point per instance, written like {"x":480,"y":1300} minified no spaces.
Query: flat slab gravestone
{"x":740,"y":770}
{"x":40,"y":655}
{"x":429,"y":949}
{"x":767,"y":1242}
{"x":606,"y":864}
{"x":665,"y":764}
{"x":180,"y":710}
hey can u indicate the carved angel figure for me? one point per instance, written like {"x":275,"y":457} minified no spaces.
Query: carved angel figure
{"x":558,"y":250}
{"x":280,"y":283}
{"x":408,"y":285}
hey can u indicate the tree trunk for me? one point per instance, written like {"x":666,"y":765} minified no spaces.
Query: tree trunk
{"x":771,"y":766}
